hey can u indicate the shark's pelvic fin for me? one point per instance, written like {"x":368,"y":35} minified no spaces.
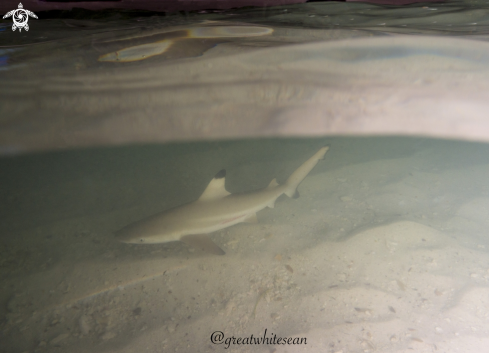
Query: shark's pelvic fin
{"x":216,"y":188}
{"x":251,"y":218}
{"x":296,"y":178}
{"x":203,"y":242}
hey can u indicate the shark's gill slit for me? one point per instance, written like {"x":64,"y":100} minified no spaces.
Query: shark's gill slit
{"x":215,"y":209}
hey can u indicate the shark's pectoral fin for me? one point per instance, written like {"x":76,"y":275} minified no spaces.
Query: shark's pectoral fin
{"x":203,"y":242}
{"x":271,"y":204}
{"x":251,"y":218}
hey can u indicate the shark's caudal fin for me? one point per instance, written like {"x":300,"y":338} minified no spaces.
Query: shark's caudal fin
{"x":296,"y":178}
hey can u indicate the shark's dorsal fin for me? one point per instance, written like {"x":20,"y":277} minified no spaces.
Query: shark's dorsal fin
{"x":272,"y":184}
{"x":216,"y":188}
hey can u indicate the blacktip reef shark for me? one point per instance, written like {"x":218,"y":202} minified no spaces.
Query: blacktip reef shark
{"x":215,"y":209}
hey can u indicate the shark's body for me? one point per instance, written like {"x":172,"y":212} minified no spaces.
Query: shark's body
{"x":214,"y":210}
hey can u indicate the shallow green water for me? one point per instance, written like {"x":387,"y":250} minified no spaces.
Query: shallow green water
{"x":388,"y":236}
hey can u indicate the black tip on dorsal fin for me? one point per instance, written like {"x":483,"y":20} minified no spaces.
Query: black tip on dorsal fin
{"x":216,"y":188}
{"x":221,"y":174}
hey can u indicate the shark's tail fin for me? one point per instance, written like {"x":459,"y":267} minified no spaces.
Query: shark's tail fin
{"x":296,"y":178}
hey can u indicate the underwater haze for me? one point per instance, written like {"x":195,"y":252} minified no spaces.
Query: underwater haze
{"x":109,"y":118}
{"x":384,"y":250}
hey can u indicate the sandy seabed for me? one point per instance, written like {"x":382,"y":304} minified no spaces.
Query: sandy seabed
{"x":386,"y":250}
